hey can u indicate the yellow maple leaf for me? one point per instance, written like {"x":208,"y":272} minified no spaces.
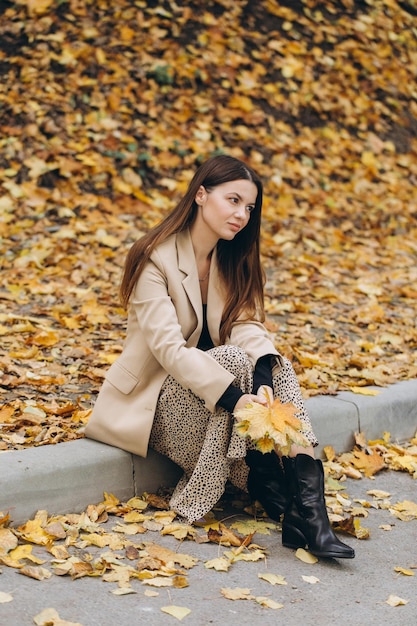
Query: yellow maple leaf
{"x":273,"y":424}
{"x":220,"y":564}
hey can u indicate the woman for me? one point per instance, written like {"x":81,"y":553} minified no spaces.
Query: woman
{"x":196,"y":351}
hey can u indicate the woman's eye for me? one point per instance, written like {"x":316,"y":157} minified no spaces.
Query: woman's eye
{"x":250,"y":209}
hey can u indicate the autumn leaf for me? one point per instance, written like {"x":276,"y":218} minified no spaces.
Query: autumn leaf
{"x":123,"y":591}
{"x":76,"y":190}
{"x":236,"y":593}
{"x":312,"y":580}
{"x":274,"y":424}
{"x":352,"y":526}
{"x":273,"y":579}
{"x":369,"y":463}
{"x":268,"y":602}
{"x":220,"y":564}
{"x":405,"y":510}
{"x":404,"y":571}
{"x":50,"y":617}
{"x":394,"y":600}
{"x":306,"y":556}
{"x":5,"y":597}
{"x":176,"y":611}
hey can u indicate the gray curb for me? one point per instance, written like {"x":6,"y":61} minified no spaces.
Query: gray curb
{"x":68,"y":476}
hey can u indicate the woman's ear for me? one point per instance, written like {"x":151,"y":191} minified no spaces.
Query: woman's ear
{"x":200,"y":195}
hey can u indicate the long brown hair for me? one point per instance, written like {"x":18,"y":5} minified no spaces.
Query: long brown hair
{"x":238,"y":260}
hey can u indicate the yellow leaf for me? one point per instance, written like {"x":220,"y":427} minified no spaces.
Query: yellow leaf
{"x":236,"y":593}
{"x":395,"y":601}
{"x":406,"y":572}
{"x":379,"y":493}
{"x":246,"y":527}
{"x":100,"y":56}
{"x":365,"y":391}
{"x":137,"y":504}
{"x":329,"y":452}
{"x":49,"y":617}
{"x":158,"y":581}
{"x":25,"y":552}
{"x":252,"y":556}
{"x":32,"y":531}
{"x":165,"y":555}
{"x":405,"y":510}
{"x":8,"y":540}
{"x":241,"y":102}
{"x":268,"y":603}
{"x":179,"y":531}
{"x":176,"y":611}
{"x":265,"y":444}
{"x":224,"y":536}
{"x":37,"y":7}
{"x":38,"y":573}
{"x":276,"y":421}
{"x":310,"y":579}
{"x":5,"y":597}
{"x":305,"y":556}
{"x":122,"y":591}
{"x":273,"y":579}
{"x":220,"y":564}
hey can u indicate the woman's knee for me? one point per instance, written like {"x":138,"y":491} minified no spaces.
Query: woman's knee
{"x":233,"y":358}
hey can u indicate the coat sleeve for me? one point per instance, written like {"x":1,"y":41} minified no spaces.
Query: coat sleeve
{"x":171,"y":341}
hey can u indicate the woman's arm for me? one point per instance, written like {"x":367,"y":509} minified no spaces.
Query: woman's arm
{"x":171,"y":340}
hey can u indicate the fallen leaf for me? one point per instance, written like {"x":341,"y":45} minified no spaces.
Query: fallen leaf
{"x":275,"y":423}
{"x":268,"y":603}
{"x":394,"y":600}
{"x":38,"y":573}
{"x":236,"y":593}
{"x":5,"y":597}
{"x":402,"y":570}
{"x":179,"y":612}
{"x":365,"y":391}
{"x":122,"y":591}
{"x":369,"y":463}
{"x":305,"y":556}
{"x":273,"y":579}
{"x":220,"y":564}
{"x":50,"y":617}
{"x":312,"y":580}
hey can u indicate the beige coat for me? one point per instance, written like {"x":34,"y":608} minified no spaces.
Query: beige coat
{"x":164,"y":325}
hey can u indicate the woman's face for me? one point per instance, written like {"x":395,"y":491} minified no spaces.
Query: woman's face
{"x":225,"y":210}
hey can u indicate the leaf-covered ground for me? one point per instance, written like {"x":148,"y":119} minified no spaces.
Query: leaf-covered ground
{"x":141,"y":547}
{"x":105,"y":111}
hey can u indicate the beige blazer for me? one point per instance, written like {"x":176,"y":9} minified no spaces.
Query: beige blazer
{"x":165,"y":320}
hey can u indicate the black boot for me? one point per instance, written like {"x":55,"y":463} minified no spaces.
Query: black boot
{"x":267,"y":483}
{"x":306,"y":522}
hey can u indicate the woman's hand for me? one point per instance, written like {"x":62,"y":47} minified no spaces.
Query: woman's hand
{"x":249,"y":398}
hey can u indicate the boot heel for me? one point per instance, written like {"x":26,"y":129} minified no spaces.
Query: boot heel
{"x":293,"y":538}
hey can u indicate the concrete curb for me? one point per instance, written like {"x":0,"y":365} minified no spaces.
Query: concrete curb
{"x":68,"y":476}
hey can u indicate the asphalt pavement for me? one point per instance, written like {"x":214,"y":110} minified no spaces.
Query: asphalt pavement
{"x":67,"y":477}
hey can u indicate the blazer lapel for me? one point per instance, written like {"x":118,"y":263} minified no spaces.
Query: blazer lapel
{"x":215,"y":301}
{"x":188,"y":266}
{"x":215,"y":294}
